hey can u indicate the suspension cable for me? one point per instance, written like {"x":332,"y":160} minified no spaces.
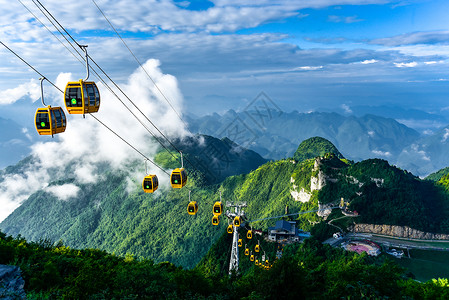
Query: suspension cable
{"x":97,"y":75}
{"x":137,"y":60}
{"x":89,"y":114}
{"x":62,"y":27}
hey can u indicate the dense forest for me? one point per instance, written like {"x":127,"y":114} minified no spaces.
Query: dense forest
{"x":111,"y":216}
{"x":307,"y":271}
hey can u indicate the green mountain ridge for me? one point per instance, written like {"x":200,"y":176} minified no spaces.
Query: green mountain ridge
{"x":108,"y":216}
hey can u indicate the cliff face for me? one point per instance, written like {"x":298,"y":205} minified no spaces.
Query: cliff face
{"x":398,"y":231}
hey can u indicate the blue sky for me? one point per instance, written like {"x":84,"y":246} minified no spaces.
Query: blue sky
{"x":212,"y":56}
{"x":306,"y":55}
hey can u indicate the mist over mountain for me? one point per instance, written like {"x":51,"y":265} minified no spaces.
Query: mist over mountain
{"x":275,"y":134}
{"x":15,"y":142}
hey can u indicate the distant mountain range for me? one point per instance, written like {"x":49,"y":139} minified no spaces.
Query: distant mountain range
{"x":115,"y":215}
{"x":275,"y":135}
{"x":14,"y":142}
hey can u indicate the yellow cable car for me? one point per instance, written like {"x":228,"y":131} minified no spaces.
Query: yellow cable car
{"x":215,"y":220}
{"x":237,"y":221}
{"x":178,"y":178}
{"x":246,"y":251}
{"x":240,"y":243}
{"x":49,"y":120}
{"x":251,"y":258}
{"x":230,"y":229}
{"x":150,"y":183}
{"x":192,"y":208}
{"x":81,"y":97}
{"x":256,"y":262}
{"x":218,"y":208}
{"x":267,"y":263}
{"x":249,"y":235}
{"x":257,"y":248}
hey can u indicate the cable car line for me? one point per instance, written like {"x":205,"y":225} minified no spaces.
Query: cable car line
{"x":62,"y":27}
{"x":34,"y":69}
{"x":97,"y":75}
{"x":157,"y":87}
{"x":137,"y":60}
{"x":48,"y":29}
{"x":28,"y":64}
{"x":93,"y":116}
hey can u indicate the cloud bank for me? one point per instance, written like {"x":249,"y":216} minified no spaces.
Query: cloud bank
{"x":86,"y":144}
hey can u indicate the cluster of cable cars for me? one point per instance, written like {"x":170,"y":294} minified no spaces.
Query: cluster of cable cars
{"x":252,"y":257}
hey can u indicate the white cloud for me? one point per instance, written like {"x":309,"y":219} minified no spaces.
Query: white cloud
{"x":406,"y":65}
{"x":445,"y":135}
{"x":86,"y":143}
{"x":369,"y":61}
{"x":31,"y":89}
{"x":371,"y":133}
{"x":346,"y":108}
{"x":63,"y":192}
{"x":382,"y":153}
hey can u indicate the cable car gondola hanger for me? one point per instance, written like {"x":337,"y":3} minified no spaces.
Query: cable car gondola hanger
{"x":49,"y":120}
{"x":150,"y":182}
{"x":192,"y":207}
{"x":82,"y":97}
{"x":178,"y":177}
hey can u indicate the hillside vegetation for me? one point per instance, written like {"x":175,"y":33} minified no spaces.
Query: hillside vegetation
{"x":308,"y":271}
{"x":111,"y":216}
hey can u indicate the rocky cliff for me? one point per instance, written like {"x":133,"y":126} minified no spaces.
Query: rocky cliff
{"x":11,"y":283}
{"x":398,"y":231}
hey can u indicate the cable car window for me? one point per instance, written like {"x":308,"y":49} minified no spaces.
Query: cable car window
{"x":64,"y":120}
{"x":73,"y":97}
{"x":97,"y":95}
{"x":42,"y":120}
{"x":53,"y":119}
{"x":176,"y":178}
{"x":58,"y":116}
{"x":155,"y":181}
{"x":91,"y":92}
{"x":148,"y":184}
{"x":86,"y":96}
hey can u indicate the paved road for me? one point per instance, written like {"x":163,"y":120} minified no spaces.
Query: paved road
{"x":389,"y":241}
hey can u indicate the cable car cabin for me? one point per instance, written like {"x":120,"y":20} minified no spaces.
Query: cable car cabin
{"x":251,"y":258}
{"x":237,"y":221}
{"x":81,"y":97}
{"x":256,"y":262}
{"x":240,"y":243}
{"x":192,"y":208}
{"x":230,"y":229}
{"x":50,"y":120}
{"x":257,"y":248}
{"x":249,"y":235}
{"x":218,"y":208}
{"x":178,"y":178}
{"x":246,"y":251}
{"x":267,"y":263}
{"x":215,"y":220}
{"x":150,"y":183}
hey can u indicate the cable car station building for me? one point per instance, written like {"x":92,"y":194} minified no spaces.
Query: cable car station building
{"x":286,"y":232}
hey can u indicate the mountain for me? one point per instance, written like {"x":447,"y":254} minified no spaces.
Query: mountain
{"x":313,"y":147}
{"x":275,"y":134}
{"x":115,"y":215}
{"x":14,"y":142}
